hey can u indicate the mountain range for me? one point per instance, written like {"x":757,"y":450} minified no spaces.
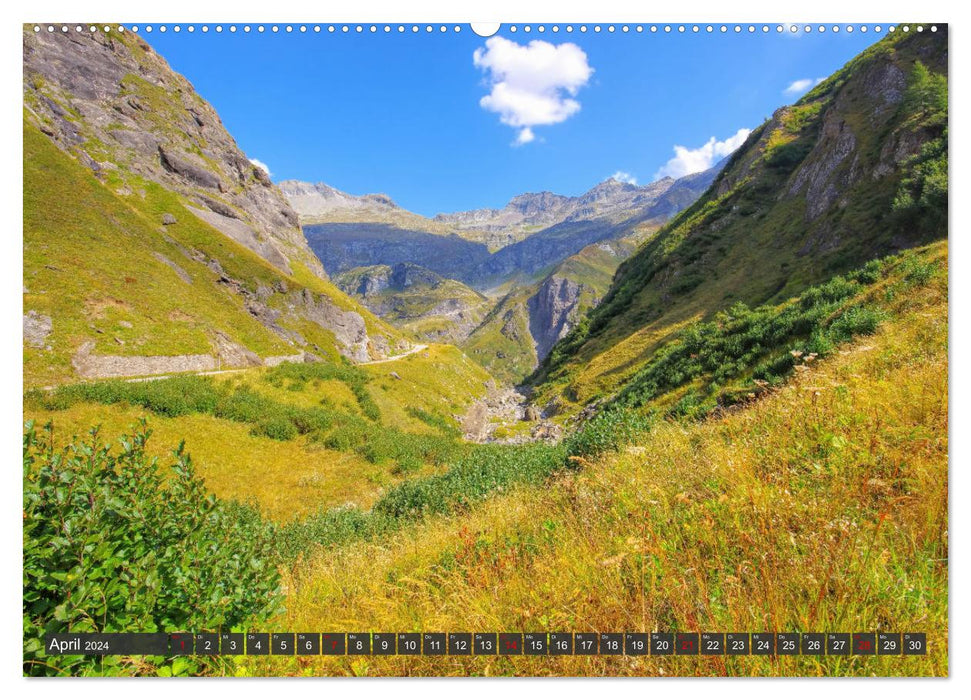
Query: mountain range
{"x":193,"y":259}
{"x":513,"y":255}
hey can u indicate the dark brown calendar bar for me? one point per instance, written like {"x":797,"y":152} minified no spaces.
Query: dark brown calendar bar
{"x":684,"y":644}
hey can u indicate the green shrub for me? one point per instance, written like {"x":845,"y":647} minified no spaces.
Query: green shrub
{"x":742,"y":342}
{"x":917,"y":272}
{"x":112,"y":545}
{"x":856,"y":320}
{"x":295,"y":376}
{"x":435,"y":421}
{"x":276,"y":428}
{"x":608,"y":430}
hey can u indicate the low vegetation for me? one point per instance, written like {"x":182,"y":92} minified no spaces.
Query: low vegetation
{"x":745,"y":350}
{"x":331,"y":427}
{"x":112,"y":543}
{"x":822,"y":506}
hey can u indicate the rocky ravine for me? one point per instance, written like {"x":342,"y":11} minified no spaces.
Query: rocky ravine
{"x":505,"y":415}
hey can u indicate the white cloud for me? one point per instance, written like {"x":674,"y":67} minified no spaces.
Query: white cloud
{"x":262,"y":166}
{"x":531,"y":85}
{"x":695,"y":160}
{"x":797,"y":87}
{"x":524,"y":136}
{"x":621,"y":176}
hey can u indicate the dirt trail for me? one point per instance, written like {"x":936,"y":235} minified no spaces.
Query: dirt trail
{"x":211,"y":372}
{"x":417,"y":348}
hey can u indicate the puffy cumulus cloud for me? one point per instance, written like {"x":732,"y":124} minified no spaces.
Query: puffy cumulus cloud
{"x":694,"y":160}
{"x":622,"y":176}
{"x":797,"y":87}
{"x":262,"y":166}
{"x":531,"y":85}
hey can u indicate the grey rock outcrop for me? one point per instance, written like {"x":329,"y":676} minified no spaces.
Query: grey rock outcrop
{"x":551,"y":312}
{"x":36,"y":329}
{"x":183,"y":275}
{"x":348,"y":326}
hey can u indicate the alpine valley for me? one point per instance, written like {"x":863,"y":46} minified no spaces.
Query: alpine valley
{"x":718,"y":402}
{"x":504,"y":285}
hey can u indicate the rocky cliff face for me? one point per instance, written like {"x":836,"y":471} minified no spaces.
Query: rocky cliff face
{"x":552,"y":312}
{"x":115,"y":104}
{"x":526,"y":210}
{"x":609,"y":211}
{"x":416,"y":299}
{"x":345,"y":246}
{"x":321,"y":201}
{"x":537,"y":210}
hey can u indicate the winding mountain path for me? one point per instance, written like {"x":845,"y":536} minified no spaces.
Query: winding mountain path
{"x":417,"y":348}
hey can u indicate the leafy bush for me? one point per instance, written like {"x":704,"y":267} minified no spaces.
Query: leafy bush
{"x":337,"y":430}
{"x":856,"y":320}
{"x":922,"y":198}
{"x":111,"y":544}
{"x":609,"y":430}
{"x":276,"y":428}
{"x":471,"y":478}
{"x":475,"y":474}
{"x":436,"y":421}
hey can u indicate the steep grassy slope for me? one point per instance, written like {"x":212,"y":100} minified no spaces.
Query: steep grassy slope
{"x":116,"y":105}
{"x":821,"y":506}
{"x":106,"y":272}
{"x":151,"y":244}
{"x":854,"y":170}
{"x":502,"y":343}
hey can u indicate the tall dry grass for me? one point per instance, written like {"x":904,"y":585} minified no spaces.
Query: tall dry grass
{"x":821,"y":507}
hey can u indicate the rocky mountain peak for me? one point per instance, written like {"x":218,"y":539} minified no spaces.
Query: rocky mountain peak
{"x":320,"y":200}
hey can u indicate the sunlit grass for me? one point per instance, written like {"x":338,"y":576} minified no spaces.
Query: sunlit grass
{"x":822,"y":507}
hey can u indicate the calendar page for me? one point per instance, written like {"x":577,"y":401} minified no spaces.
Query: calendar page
{"x":517,"y":349}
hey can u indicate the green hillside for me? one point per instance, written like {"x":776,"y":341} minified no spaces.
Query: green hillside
{"x":504,"y":342}
{"x":104,"y":268}
{"x":855,"y":170}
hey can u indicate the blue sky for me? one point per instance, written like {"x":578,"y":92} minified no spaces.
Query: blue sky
{"x":404,"y":114}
